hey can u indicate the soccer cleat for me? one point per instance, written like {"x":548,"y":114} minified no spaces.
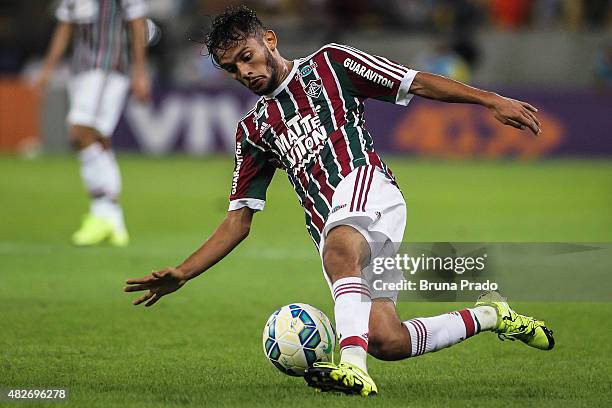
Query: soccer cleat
{"x":94,"y":230}
{"x":511,"y":325}
{"x":119,"y":238}
{"x":344,"y":377}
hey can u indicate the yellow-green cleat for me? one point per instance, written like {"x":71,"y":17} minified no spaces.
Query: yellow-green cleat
{"x":119,"y":239}
{"x":95,"y":231}
{"x":512,"y":326}
{"x":344,"y":377}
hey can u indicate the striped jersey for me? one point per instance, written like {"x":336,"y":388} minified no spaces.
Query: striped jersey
{"x":100,"y":39}
{"x":312,"y":126}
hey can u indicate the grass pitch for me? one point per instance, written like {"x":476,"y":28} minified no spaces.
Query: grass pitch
{"x":66,"y":322}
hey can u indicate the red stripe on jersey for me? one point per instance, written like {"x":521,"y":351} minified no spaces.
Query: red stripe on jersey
{"x":468,"y":320}
{"x":374,"y":159}
{"x":369,"y":184}
{"x":355,"y":187}
{"x":354,"y":341}
{"x":362,"y":184}
{"x":341,"y":149}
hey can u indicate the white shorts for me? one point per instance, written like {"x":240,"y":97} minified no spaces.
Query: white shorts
{"x":370,"y":202}
{"x":97,"y":98}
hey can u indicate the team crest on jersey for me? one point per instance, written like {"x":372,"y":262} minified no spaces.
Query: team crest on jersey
{"x":313,"y":88}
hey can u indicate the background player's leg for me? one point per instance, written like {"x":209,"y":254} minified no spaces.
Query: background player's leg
{"x":392,"y":339}
{"x":101,"y":177}
{"x":345,"y":252}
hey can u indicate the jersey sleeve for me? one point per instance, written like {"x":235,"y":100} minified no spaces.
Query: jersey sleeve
{"x":63,"y":11}
{"x":133,"y":9}
{"x":371,"y":76}
{"x":73,"y":11}
{"x":253,"y":172}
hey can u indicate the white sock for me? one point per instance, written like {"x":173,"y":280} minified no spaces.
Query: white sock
{"x":354,"y":355}
{"x":112,"y":175}
{"x":109,"y":210}
{"x":429,"y":334}
{"x":102,"y":179}
{"x":352,"y":312}
{"x":93,"y":163}
{"x":486,"y":316}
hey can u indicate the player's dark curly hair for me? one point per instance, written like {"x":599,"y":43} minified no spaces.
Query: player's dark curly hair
{"x":230,"y":28}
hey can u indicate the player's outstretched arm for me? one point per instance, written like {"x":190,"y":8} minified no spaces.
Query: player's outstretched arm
{"x":234,"y":228}
{"x":508,"y":111}
{"x":140,"y":81}
{"x":59,"y":43}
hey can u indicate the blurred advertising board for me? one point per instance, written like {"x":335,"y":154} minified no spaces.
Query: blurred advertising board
{"x":19,"y":113}
{"x":201,"y":121}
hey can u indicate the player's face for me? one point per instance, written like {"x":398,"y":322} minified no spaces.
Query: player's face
{"x":253,"y":65}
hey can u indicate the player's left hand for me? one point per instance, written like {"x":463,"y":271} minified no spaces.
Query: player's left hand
{"x":515,"y":113}
{"x":157,"y":284}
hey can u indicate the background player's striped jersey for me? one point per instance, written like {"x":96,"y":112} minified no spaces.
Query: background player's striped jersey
{"x":100,"y":39}
{"x":313,"y":127}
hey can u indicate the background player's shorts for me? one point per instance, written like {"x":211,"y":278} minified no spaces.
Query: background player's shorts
{"x":97,"y":98}
{"x":369,"y":201}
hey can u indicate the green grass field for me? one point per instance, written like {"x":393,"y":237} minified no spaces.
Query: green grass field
{"x":67,"y":323}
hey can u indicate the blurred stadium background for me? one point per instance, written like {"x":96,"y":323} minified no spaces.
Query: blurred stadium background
{"x":555,"y":53}
{"x":465,"y":178}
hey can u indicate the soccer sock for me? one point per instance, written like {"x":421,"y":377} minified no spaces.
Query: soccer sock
{"x":101,"y":177}
{"x":431,"y":334}
{"x":352,"y":312}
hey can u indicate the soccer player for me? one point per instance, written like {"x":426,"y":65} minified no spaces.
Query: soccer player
{"x":309,"y":122}
{"x":97,"y":92}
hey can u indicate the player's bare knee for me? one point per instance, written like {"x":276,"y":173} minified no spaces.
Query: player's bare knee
{"x":340,"y":261}
{"x":83,"y":136}
{"x":345,"y":253}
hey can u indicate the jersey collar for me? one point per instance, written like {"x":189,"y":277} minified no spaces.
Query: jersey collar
{"x":284,"y":84}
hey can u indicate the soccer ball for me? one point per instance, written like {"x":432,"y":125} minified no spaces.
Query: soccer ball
{"x":296,"y":336}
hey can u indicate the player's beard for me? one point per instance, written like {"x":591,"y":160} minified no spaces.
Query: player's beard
{"x":274,"y":69}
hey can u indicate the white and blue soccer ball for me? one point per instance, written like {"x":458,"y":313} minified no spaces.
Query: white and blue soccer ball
{"x":296,"y":336}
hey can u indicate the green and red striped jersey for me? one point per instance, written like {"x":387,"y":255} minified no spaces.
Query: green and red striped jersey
{"x":312,"y":126}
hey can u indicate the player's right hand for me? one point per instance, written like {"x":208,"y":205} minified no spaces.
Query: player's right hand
{"x":157,"y":284}
{"x":41,"y":82}
{"x":141,"y":85}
